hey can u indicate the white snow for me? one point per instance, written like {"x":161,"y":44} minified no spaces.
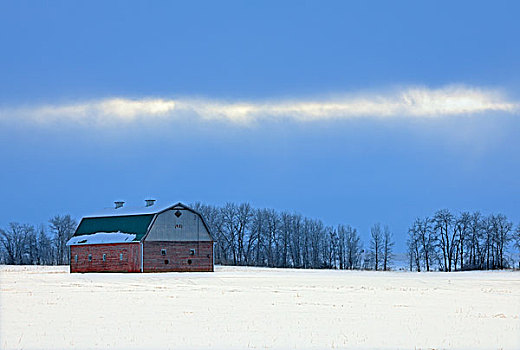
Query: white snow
{"x":237,"y":308}
{"x":101,"y":238}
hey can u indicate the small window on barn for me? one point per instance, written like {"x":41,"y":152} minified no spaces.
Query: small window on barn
{"x":192,"y":251}
{"x":104,"y":257}
{"x":163,"y":252}
{"x":178,"y":213}
{"x":166,"y":262}
{"x":121,"y":256}
{"x":90,"y":257}
{"x":189,"y":261}
{"x":76,"y":258}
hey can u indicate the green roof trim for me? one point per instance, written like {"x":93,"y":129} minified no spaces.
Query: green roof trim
{"x":137,"y":224}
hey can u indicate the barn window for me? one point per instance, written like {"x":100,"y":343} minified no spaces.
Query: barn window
{"x":178,"y":213}
{"x":104,"y":257}
{"x":192,"y":251}
{"x":163,"y":252}
{"x":121,"y":256}
{"x":166,"y":262}
{"x":76,"y":258}
{"x":189,"y":261}
{"x":90,"y":257}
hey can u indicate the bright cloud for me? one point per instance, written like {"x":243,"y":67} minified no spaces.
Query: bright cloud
{"x":403,"y":103}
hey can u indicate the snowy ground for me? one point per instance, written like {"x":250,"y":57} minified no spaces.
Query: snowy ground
{"x":238,"y":308}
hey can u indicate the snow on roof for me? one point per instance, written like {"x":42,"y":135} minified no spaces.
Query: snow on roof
{"x":124,"y":211}
{"x":101,"y":238}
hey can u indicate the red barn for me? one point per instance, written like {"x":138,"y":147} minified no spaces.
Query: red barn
{"x":148,"y":239}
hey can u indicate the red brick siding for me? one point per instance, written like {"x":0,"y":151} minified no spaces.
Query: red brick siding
{"x":178,"y":254}
{"x":131,"y":258}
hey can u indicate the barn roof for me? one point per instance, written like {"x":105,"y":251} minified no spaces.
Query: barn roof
{"x":136,"y":224}
{"x":127,"y":219}
{"x":102,"y":238}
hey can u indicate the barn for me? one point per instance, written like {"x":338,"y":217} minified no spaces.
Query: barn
{"x":147,"y":239}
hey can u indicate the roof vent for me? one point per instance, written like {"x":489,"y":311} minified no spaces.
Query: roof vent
{"x":149,"y":202}
{"x":119,"y":204}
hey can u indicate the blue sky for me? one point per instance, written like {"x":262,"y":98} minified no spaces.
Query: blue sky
{"x":352,"y":112}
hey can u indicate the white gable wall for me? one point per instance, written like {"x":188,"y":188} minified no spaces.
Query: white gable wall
{"x":187,"y":227}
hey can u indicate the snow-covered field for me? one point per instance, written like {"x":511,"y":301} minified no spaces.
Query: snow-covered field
{"x":238,"y":308}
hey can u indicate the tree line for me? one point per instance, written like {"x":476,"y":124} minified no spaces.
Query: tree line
{"x":468,"y":241}
{"x":265,"y":237}
{"x":23,"y":244}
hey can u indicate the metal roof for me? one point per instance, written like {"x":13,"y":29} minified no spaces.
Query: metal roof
{"x":136,"y":224}
{"x":128,"y":220}
{"x":102,"y":238}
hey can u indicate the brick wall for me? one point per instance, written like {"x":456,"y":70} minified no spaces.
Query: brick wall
{"x":131,"y":261}
{"x":177,"y":256}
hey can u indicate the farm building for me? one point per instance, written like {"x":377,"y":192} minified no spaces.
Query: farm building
{"x":147,"y":239}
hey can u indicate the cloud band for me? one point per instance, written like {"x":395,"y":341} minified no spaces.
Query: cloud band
{"x":410,"y":102}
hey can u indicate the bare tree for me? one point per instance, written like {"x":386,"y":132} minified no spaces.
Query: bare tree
{"x":316,"y":233}
{"x":475,"y":252}
{"x":500,"y":229}
{"x":244,"y":239}
{"x":63,"y":228}
{"x":462,"y":231}
{"x":273,"y":223}
{"x":353,"y":249}
{"x":388,"y":245}
{"x":341,"y":246}
{"x":229,"y":215}
{"x":414,"y":246}
{"x":13,"y":241}
{"x":46,"y":254}
{"x":285,"y":229}
{"x":376,"y":245}
{"x":443,"y":221}
{"x":426,"y":240}
{"x":258,"y":232}
{"x":295,"y":240}
{"x":331,"y":247}
{"x":31,"y":247}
